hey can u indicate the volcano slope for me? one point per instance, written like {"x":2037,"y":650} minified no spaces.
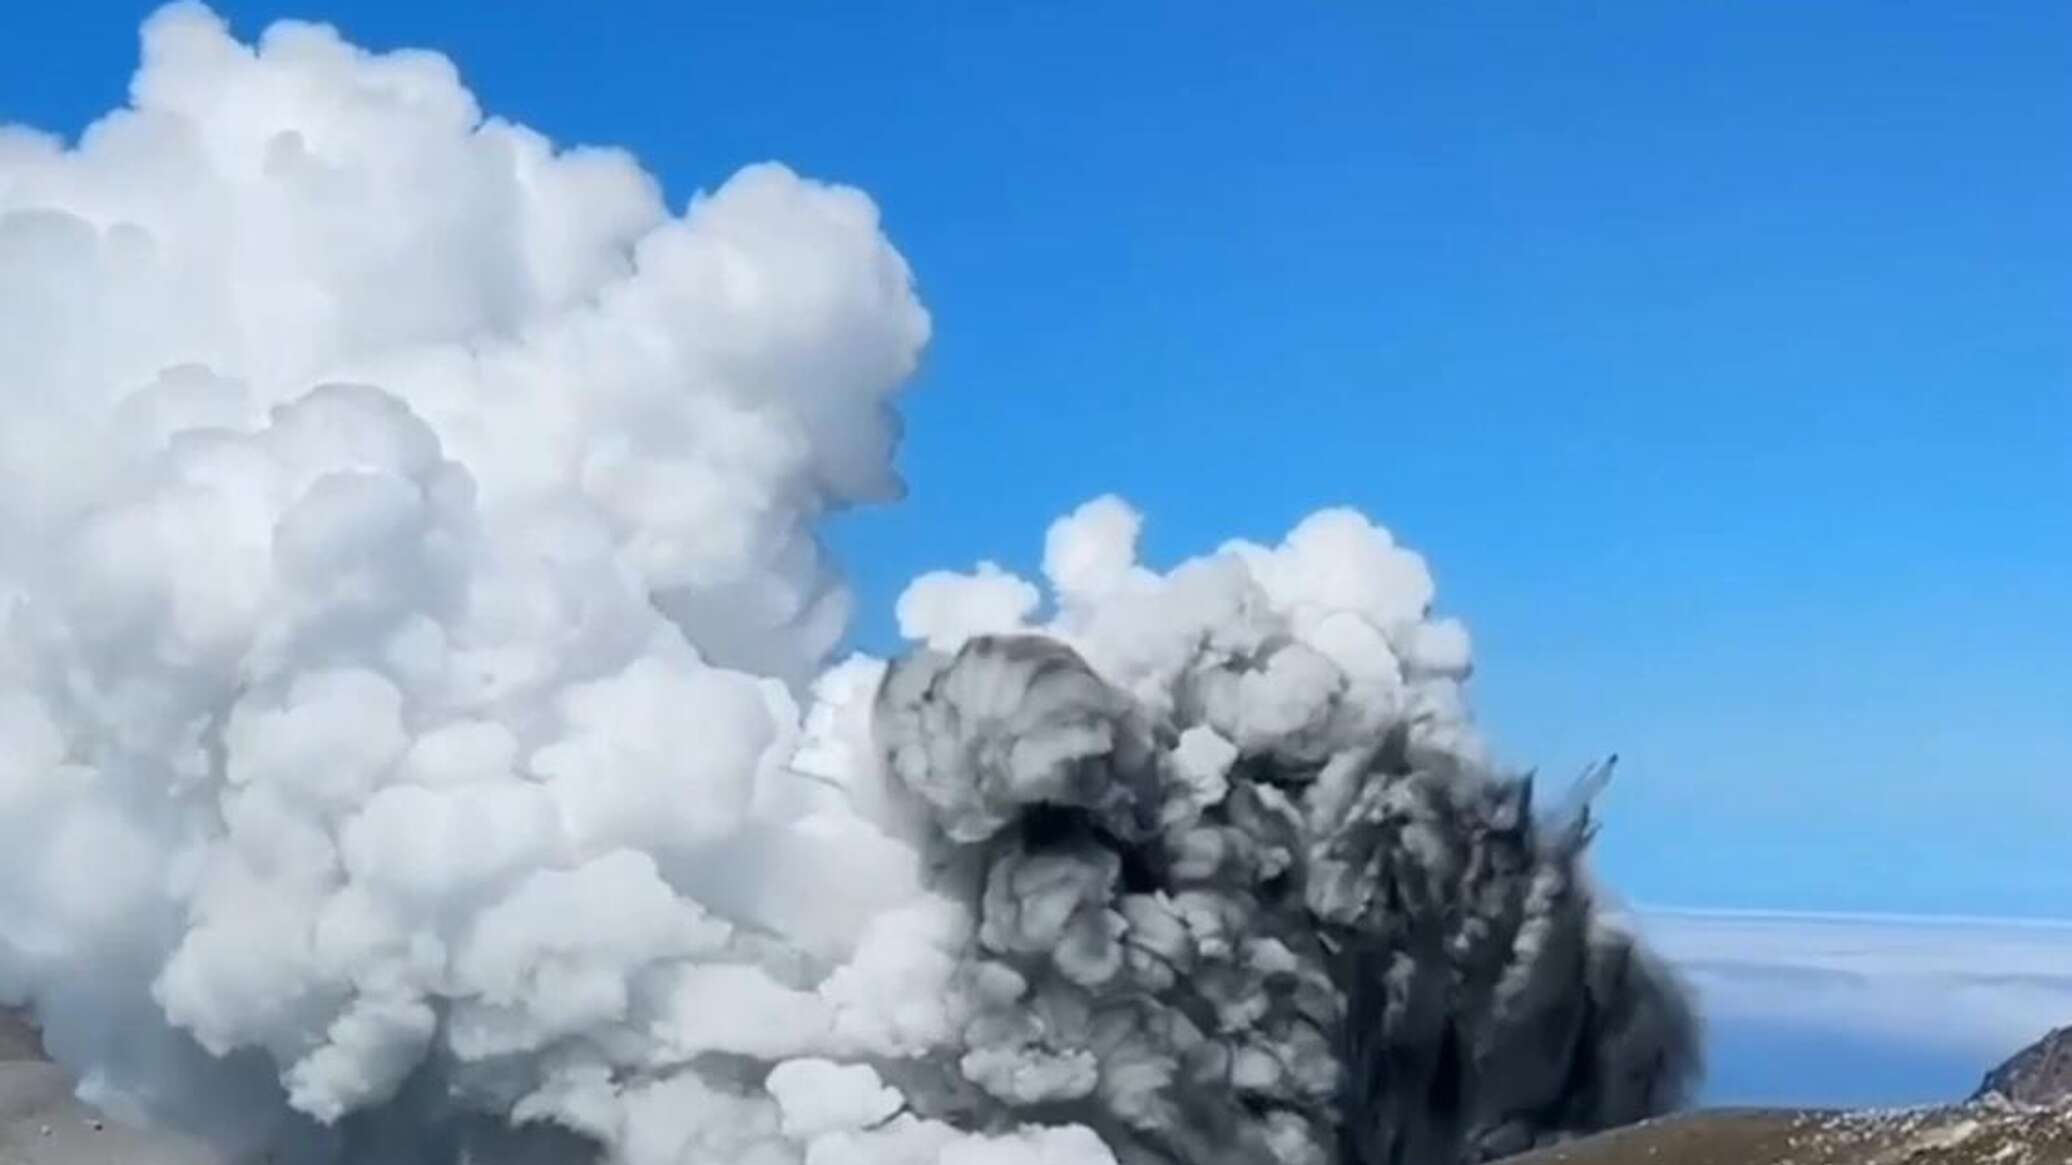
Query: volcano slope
{"x":1988,"y":1132}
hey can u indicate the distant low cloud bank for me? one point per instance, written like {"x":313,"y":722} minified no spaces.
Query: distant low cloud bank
{"x":1809,"y":1008}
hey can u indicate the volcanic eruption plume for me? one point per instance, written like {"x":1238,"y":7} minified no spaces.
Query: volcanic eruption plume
{"x":419,"y":740}
{"x":1245,"y":889}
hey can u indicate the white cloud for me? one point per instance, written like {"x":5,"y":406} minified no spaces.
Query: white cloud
{"x":408,"y":542}
{"x":1972,"y":987}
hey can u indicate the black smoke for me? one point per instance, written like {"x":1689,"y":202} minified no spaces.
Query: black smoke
{"x":1375,"y":953}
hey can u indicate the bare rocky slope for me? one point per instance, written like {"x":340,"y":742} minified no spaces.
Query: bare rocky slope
{"x":2040,"y":1074}
{"x":1980,"y":1133}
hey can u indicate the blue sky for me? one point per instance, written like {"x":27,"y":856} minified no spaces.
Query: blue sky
{"x":1720,"y":361}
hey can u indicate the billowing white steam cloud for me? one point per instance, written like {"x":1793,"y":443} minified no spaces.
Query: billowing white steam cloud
{"x":414,"y":738}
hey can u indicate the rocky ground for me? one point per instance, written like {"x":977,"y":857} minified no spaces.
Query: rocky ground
{"x":2021,"y":1115}
{"x":1982,"y":1133}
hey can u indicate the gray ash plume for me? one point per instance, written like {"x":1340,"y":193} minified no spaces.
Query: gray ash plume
{"x":1375,"y":954}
